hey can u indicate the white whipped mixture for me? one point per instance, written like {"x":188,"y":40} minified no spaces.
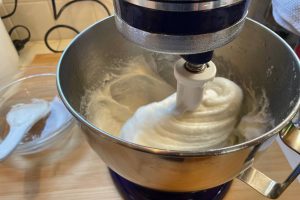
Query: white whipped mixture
{"x":115,"y":101}
{"x":123,"y":106}
{"x":159,"y":125}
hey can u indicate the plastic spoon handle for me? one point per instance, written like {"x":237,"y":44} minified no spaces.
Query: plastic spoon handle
{"x":12,"y":140}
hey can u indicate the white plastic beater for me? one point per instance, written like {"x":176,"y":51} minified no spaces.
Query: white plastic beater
{"x":190,"y":84}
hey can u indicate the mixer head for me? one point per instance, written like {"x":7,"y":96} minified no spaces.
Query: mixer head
{"x":190,"y":28}
{"x":185,"y":27}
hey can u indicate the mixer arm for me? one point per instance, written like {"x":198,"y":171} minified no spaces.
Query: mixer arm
{"x":262,"y":183}
{"x":265,"y":185}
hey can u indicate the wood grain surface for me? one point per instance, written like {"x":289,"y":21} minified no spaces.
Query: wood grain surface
{"x":72,"y":171}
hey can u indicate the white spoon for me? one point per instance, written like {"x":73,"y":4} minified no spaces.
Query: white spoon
{"x":21,"y":118}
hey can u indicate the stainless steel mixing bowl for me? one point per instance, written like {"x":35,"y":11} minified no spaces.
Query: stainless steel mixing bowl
{"x":257,"y":55}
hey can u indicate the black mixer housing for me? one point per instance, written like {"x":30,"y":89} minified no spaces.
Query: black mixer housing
{"x":193,"y":21}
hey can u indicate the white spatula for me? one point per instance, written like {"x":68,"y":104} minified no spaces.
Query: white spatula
{"x":21,"y":118}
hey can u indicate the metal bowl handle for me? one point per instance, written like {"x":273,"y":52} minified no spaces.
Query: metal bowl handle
{"x":262,"y":183}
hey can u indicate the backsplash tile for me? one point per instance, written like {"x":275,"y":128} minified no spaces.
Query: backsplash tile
{"x":12,"y":1}
{"x":101,"y":12}
{"x":7,"y":22}
{"x":79,"y":15}
{"x":37,"y":15}
{"x":33,"y":48}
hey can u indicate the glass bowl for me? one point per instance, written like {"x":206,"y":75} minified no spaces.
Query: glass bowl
{"x":48,"y":134}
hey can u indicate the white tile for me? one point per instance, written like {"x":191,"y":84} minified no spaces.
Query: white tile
{"x":100,"y":12}
{"x":12,"y":1}
{"x":7,"y":22}
{"x":63,"y":44}
{"x":2,"y":10}
{"x":79,"y":15}
{"x":37,"y":16}
{"x":66,"y":33}
{"x":33,"y":48}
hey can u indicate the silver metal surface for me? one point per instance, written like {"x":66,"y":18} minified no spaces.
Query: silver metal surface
{"x":173,"y":44}
{"x":257,"y":57}
{"x":265,"y":185}
{"x":195,"y":68}
{"x":183,"y":7}
{"x":291,"y":136}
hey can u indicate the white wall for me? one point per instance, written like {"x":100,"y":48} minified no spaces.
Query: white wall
{"x":37,"y":15}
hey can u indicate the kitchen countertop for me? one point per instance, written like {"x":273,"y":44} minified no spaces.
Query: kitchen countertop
{"x":79,"y":173}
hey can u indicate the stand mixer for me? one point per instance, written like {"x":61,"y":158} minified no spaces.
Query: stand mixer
{"x":192,"y":29}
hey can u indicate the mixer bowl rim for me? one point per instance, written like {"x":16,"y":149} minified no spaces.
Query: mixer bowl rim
{"x":164,"y":152}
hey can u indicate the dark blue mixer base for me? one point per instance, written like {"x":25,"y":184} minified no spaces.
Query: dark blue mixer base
{"x":132,"y":191}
